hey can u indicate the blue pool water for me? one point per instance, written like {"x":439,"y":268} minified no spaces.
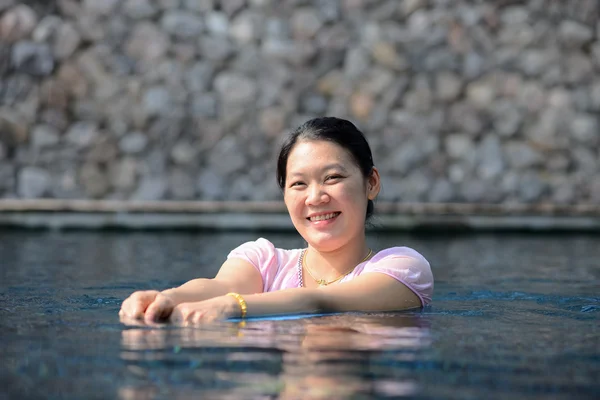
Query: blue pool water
{"x":513,"y":316}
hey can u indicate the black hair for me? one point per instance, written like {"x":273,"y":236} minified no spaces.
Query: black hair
{"x":339,"y":131}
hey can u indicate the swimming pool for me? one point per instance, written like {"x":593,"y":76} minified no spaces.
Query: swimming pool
{"x":513,"y":316}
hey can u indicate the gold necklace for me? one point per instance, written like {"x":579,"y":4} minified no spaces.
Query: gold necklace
{"x":323,"y":282}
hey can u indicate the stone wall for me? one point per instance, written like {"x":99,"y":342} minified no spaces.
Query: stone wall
{"x":462,"y":101}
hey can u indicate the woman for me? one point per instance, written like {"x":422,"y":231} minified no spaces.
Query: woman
{"x":326,"y":172}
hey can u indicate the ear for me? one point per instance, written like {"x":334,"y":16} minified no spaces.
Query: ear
{"x":373,"y":184}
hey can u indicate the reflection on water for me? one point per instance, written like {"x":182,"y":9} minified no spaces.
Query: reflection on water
{"x":315,"y":358}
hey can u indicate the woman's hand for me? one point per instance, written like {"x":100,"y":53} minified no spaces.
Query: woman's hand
{"x":149,"y":305}
{"x":217,"y":308}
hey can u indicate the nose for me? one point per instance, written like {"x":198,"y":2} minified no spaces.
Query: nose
{"x":316,"y":195}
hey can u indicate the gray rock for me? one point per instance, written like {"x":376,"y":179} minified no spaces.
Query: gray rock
{"x":462,"y":117}
{"x":199,"y":76}
{"x":46,"y":28}
{"x":441,"y":192}
{"x":473,"y":66}
{"x":490,"y":158}
{"x":231,"y":6}
{"x":203,"y":105}
{"x":103,"y":151}
{"x":133,"y":143}
{"x":558,"y":163}
{"x":377,"y":80}
{"x":184,"y":153}
{"x":585,"y":129}
{"x":329,"y":11}
{"x":520,"y":155}
{"x":17,"y":23}
{"x":32,"y":58}
{"x":181,"y":185}
{"x":448,"y":86}
{"x":44,"y":135}
{"x":227,"y":157}
{"x":157,"y":101}
{"x":32,"y":182}
{"x":7,"y":178}
{"x":474,"y":190}
{"x":200,"y":6}
{"x":217,"y":23}
{"x":531,"y":187}
{"x":211,"y":186}
{"x":514,"y":15}
{"x":595,"y":190}
{"x":305,"y":23}
{"x":313,"y":103}
{"x":459,"y":145}
{"x":578,"y":68}
{"x":415,"y":187}
{"x":104,"y":7}
{"x":535,"y":62}
{"x":66,"y":42}
{"x":151,"y":188}
{"x":595,"y":96}
{"x":246,"y":27}
{"x":216,"y":49}
{"x":140,"y":9}
{"x":146,"y":43}
{"x":420,"y":98}
{"x":574,"y":34}
{"x":94,"y":181}
{"x":82,"y":134}
{"x":507,"y":118}
{"x":123,"y":173}
{"x":481,"y":93}
{"x":585,"y":160}
{"x":6,"y":4}
{"x":563,"y":192}
{"x":356,"y":63}
{"x":65,"y":184}
{"x":272,"y":121}
{"x":182,"y":24}
{"x":3,"y":151}
{"x":235,"y":88}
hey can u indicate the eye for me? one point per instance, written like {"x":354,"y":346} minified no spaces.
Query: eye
{"x":333,"y":177}
{"x":296,"y":184}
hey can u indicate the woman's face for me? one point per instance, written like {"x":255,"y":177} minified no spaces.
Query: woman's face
{"x":326,"y":194}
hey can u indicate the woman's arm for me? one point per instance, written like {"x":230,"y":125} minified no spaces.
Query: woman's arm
{"x":369,"y":292}
{"x":235,"y":275}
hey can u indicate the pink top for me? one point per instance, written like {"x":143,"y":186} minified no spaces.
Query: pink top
{"x":279,"y":267}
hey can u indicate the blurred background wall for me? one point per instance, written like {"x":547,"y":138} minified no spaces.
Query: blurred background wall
{"x":462,"y":101}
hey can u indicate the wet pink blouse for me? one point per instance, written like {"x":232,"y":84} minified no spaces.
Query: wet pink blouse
{"x":279,"y":267}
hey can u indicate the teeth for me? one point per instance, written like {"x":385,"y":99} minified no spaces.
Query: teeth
{"x":324,"y":217}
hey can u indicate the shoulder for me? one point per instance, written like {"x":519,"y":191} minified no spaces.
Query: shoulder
{"x":407,"y":266}
{"x":262,"y":250}
{"x":398,"y":252}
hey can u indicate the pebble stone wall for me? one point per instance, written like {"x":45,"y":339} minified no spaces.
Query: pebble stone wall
{"x":462,"y":101}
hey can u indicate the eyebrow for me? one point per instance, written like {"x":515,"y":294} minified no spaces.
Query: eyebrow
{"x":325,"y":168}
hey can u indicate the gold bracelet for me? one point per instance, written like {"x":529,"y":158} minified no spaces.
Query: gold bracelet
{"x":241,"y":302}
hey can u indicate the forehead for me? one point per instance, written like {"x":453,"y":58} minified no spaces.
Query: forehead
{"x":315,"y":153}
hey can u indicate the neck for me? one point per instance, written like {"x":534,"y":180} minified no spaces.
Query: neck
{"x":330,"y":264}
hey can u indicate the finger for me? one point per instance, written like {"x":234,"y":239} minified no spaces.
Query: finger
{"x":135,"y":306}
{"x":159,"y":309}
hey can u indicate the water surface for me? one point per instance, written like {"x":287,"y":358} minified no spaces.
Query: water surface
{"x":513,"y":316}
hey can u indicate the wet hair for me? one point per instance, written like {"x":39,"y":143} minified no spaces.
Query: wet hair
{"x":339,"y":131}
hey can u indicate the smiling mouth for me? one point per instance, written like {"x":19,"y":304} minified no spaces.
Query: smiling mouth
{"x":323,"y":217}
